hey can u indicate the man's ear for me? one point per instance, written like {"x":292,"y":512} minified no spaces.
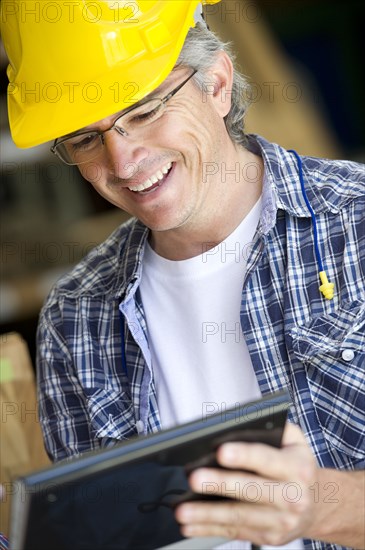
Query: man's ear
{"x":219,"y":81}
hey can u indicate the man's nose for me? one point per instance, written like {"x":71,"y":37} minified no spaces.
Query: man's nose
{"x":123,"y":154}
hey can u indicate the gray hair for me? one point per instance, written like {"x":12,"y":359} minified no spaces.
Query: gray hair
{"x":199,"y":52}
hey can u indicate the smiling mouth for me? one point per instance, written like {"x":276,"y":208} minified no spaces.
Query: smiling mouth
{"x":153,"y":182}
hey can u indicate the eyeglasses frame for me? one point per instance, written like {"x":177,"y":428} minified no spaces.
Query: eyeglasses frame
{"x":119,"y":129}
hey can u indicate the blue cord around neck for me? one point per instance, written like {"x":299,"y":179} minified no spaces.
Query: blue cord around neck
{"x":313,"y":216}
{"x":326,"y":288}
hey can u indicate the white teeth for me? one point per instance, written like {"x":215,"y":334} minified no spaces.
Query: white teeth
{"x":153,"y":179}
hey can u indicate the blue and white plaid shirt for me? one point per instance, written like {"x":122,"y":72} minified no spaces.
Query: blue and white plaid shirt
{"x":94,"y":365}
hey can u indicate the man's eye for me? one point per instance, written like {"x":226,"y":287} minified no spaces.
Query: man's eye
{"x":145,"y":116}
{"x":84,"y":142}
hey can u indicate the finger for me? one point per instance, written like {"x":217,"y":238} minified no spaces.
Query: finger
{"x":277,"y":464}
{"x":255,"y":457}
{"x":239,"y":486}
{"x":234,"y":520}
{"x":293,"y":435}
{"x":217,"y":530}
{"x":260,"y":536}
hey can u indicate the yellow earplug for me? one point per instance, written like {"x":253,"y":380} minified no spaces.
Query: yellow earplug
{"x":326,"y":288}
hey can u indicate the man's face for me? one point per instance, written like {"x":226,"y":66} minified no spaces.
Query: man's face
{"x":157,"y":176}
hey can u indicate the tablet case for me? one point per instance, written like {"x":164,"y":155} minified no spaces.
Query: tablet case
{"x":124,"y":497}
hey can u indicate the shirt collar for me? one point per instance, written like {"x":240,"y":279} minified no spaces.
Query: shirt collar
{"x":329,"y":185}
{"x":131,"y":253}
{"x":281,"y":185}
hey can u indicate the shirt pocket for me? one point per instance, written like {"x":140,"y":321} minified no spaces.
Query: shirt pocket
{"x":111,"y":414}
{"x":332,"y":349}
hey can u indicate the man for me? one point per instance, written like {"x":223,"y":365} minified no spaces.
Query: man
{"x":162,"y":319}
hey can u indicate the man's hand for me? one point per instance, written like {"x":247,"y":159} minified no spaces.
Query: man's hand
{"x":270,"y":491}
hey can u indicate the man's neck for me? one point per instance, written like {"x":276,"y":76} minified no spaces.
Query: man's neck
{"x":243,"y":187}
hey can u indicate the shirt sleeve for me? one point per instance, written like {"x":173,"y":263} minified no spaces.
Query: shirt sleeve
{"x":62,"y":404}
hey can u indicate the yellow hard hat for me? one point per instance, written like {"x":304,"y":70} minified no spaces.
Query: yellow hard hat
{"x":73,"y":63}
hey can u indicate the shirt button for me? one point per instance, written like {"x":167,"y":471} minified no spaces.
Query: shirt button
{"x":348,"y":354}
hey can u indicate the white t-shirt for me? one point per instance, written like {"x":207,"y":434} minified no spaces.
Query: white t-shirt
{"x":200,"y":359}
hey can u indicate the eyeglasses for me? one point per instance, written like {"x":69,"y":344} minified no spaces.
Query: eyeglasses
{"x":85,"y":146}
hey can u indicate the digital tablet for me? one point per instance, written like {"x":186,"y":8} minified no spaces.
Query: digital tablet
{"x":124,"y":497}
